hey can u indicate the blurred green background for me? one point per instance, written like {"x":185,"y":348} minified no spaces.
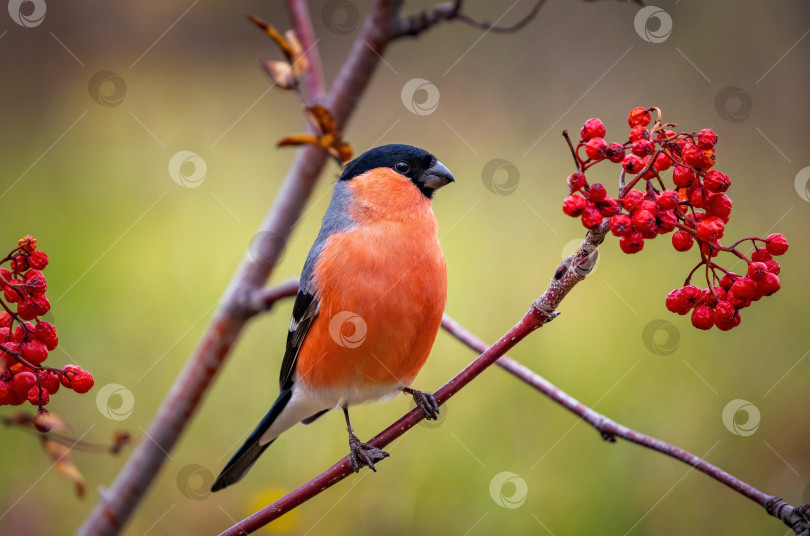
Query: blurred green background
{"x":138,"y":261}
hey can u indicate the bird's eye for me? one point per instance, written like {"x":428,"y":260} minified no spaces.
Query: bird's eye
{"x":402,"y":167}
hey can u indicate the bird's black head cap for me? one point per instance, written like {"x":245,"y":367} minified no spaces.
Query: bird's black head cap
{"x":424,"y":170}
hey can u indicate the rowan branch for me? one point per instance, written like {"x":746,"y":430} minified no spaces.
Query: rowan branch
{"x":299,"y":12}
{"x":448,"y":11}
{"x":794,"y":517}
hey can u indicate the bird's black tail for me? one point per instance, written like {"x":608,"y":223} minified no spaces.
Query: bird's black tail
{"x":244,"y":459}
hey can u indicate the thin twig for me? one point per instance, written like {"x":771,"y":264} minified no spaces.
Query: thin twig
{"x":610,"y":430}
{"x":299,"y":12}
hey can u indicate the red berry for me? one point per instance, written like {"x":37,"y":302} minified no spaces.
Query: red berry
{"x":632,"y":242}
{"x":34,"y":352}
{"x":5,"y":275}
{"x":642,"y":147}
{"x":696,"y":157}
{"x":710,"y":229}
{"x":666,"y":221}
{"x":573,"y":205}
{"x":49,"y":381}
{"x":773,"y":266}
{"x":669,"y":199}
{"x":41,"y":305}
{"x":632,"y":164}
{"x":692,"y":295}
{"x":639,"y":117}
{"x":724,"y":310}
{"x":28,"y":242}
{"x":591,"y":217}
{"x":608,"y":207}
{"x":596,"y":148}
{"x":769,"y":284}
{"x":703,"y":317}
{"x":23,"y":381}
{"x":644,"y":222}
{"x":757,"y":270}
{"x":698,"y":198}
{"x":26,"y":309}
{"x":715,"y":181}
{"x":761,"y":255}
{"x":597,"y":192}
{"x":46,"y":332}
{"x":638,"y":132}
{"x":706,"y":138}
{"x":776,"y":244}
{"x":5,"y":320}
{"x":725,"y":324}
{"x":12,"y":347}
{"x":34,"y":396}
{"x":682,"y":241}
{"x":663,"y":162}
{"x":35,"y":282}
{"x":19,"y":263}
{"x":577,"y":181}
{"x":69,"y":372}
{"x":621,"y":225}
{"x":6,"y":392}
{"x":744,"y":288}
{"x":632,"y":199}
{"x":718,"y":205}
{"x":676,"y":303}
{"x":683,"y":176}
{"x":13,"y":290}
{"x":83,"y":382}
{"x":38,"y":260}
{"x":727,"y":280}
{"x":615,"y":152}
{"x":737,"y":301}
{"x":593,"y":128}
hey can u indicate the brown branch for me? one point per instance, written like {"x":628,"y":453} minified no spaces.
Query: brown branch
{"x":541,"y":311}
{"x":793,"y":517}
{"x":448,"y":11}
{"x":299,"y":12}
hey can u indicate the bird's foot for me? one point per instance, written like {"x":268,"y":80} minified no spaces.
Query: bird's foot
{"x":361,"y":454}
{"x":425,"y":402}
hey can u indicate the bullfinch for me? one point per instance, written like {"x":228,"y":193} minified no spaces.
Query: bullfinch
{"x":369,"y":305}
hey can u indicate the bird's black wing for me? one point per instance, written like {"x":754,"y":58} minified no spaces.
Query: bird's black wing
{"x":305,"y":310}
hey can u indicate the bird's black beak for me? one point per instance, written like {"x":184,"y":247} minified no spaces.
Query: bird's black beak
{"x":437,"y":176}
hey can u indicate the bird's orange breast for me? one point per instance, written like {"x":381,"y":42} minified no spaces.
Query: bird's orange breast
{"x":382,"y":287}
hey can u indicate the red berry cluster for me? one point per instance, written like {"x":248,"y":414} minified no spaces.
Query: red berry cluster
{"x":696,"y":208}
{"x":24,"y":346}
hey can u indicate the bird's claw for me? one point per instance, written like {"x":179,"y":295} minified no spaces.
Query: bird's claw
{"x":362,"y":454}
{"x":426,"y":402}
